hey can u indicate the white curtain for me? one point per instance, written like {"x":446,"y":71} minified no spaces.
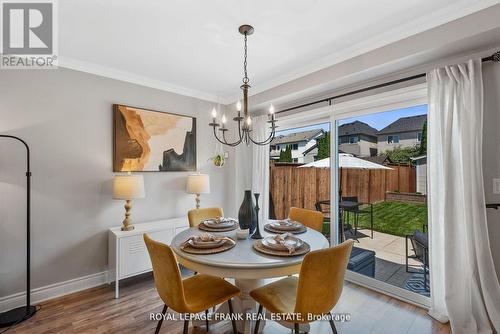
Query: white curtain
{"x":464,"y":285}
{"x":260,"y":165}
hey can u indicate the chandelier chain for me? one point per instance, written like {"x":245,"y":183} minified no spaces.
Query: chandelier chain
{"x":245,"y":78}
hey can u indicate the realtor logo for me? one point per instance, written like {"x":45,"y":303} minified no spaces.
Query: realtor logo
{"x":28,"y":30}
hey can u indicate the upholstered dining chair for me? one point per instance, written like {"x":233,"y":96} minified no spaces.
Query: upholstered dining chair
{"x":315,"y":292}
{"x":309,"y":218}
{"x":192,"y":295}
{"x":196,"y":216}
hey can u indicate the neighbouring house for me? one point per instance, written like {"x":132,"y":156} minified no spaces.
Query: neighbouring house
{"x":311,"y":154}
{"x":299,"y":142}
{"x":421,"y":166}
{"x":358,"y":138}
{"x":405,"y":132}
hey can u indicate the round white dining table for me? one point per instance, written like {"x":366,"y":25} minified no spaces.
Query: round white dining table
{"x":248,"y":267}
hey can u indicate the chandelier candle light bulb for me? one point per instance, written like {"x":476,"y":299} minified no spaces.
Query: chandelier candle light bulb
{"x":245,"y":121}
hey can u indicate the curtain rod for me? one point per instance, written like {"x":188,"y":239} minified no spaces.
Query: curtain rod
{"x":494,"y":57}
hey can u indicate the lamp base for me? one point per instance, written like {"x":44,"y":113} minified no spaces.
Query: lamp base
{"x":128,"y":228}
{"x":16,"y":316}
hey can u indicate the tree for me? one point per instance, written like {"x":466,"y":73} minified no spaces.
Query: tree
{"x":398,"y":154}
{"x":286,"y":155}
{"x":423,"y":142}
{"x":324,"y":146}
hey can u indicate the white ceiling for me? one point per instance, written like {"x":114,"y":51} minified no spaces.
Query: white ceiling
{"x":192,"y":47}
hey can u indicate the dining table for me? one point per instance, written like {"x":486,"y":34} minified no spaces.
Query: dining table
{"x":249,"y":268}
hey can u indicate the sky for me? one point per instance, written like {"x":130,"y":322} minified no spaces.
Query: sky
{"x":376,"y":120}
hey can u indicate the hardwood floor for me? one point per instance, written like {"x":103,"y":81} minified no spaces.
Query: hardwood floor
{"x":96,"y":311}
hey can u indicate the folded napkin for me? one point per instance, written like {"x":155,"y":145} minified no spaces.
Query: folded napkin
{"x":221,"y":220}
{"x":281,"y":238}
{"x":204,"y":237}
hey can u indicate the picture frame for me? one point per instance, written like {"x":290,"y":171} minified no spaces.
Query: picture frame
{"x":146,"y":140}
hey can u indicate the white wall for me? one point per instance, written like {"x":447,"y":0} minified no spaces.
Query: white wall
{"x":66,"y":117}
{"x":491,"y":152}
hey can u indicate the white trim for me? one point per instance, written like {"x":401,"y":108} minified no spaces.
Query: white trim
{"x":55,"y":290}
{"x":391,"y":100}
{"x":113,"y":73}
{"x":305,"y":118}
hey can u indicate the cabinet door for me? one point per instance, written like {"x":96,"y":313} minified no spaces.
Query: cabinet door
{"x":134,"y":257}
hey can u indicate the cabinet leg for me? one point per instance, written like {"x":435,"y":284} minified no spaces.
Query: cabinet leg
{"x":117,"y":289}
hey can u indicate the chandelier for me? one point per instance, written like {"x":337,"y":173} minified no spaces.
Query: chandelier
{"x":244,"y":122}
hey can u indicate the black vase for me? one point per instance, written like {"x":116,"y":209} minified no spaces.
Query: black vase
{"x":247,"y":217}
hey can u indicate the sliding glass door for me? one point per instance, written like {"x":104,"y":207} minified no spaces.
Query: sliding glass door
{"x":379,"y":195}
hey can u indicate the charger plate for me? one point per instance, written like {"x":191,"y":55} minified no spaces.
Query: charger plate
{"x":204,"y":227}
{"x":226,"y":246}
{"x":259,"y":247}
{"x":270,"y":228}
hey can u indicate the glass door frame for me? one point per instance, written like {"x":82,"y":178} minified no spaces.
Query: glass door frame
{"x":391,"y":100}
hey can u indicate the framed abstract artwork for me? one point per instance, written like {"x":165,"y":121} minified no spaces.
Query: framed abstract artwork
{"x":152,"y":141}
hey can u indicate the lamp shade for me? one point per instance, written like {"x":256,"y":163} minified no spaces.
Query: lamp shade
{"x":128,"y":187}
{"x":198,"y":184}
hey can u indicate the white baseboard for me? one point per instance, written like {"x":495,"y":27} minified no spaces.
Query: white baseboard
{"x":54,"y":290}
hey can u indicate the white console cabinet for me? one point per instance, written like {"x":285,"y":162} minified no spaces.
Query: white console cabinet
{"x":127,"y":253}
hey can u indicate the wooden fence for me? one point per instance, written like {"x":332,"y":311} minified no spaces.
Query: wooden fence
{"x":303,"y":187}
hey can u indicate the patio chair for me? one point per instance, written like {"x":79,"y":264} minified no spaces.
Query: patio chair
{"x":420,"y":244}
{"x":359,"y":210}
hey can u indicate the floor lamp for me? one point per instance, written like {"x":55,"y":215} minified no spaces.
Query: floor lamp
{"x":22,"y":313}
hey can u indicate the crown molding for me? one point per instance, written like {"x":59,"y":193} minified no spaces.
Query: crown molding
{"x":445,"y":15}
{"x":113,"y":73}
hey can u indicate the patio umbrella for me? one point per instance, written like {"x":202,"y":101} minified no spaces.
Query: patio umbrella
{"x":346,"y":161}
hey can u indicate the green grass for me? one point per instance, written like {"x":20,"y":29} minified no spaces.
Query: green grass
{"x":396,"y":218}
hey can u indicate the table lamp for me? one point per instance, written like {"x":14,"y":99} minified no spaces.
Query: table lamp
{"x":198,"y":184}
{"x":128,"y":187}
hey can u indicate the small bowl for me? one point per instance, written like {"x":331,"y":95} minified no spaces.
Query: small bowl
{"x":242,"y":234}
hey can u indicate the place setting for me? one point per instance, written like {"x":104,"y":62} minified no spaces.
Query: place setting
{"x":285,"y":244}
{"x":285,"y":226}
{"x":207,"y":243}
{"x":220,"y":224}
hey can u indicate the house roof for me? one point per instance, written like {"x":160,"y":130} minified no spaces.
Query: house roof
{"x":355,"y":128}
{"x":378,"y":159}
{"x":315,"y":146}
{"x":405,"y":124}
{"x":296,"y":137}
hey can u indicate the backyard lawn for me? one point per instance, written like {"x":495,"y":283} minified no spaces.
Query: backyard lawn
{"x":396,"y":218}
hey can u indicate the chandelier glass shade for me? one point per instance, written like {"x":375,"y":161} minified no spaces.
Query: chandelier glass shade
{"x":244,"y":122}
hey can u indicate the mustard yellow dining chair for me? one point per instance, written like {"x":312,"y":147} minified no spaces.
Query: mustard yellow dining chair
{"x":310,"y":218}
{"x":191,"y":295}
{"x":196,"y":216}
{"x":315,"y":292}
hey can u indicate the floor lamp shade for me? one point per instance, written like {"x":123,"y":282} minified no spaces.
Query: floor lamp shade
{"x":128,"y":187}
{"x":198,"y":184}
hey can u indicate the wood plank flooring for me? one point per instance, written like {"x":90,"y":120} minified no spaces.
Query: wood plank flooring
{"x":96,"y":311}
